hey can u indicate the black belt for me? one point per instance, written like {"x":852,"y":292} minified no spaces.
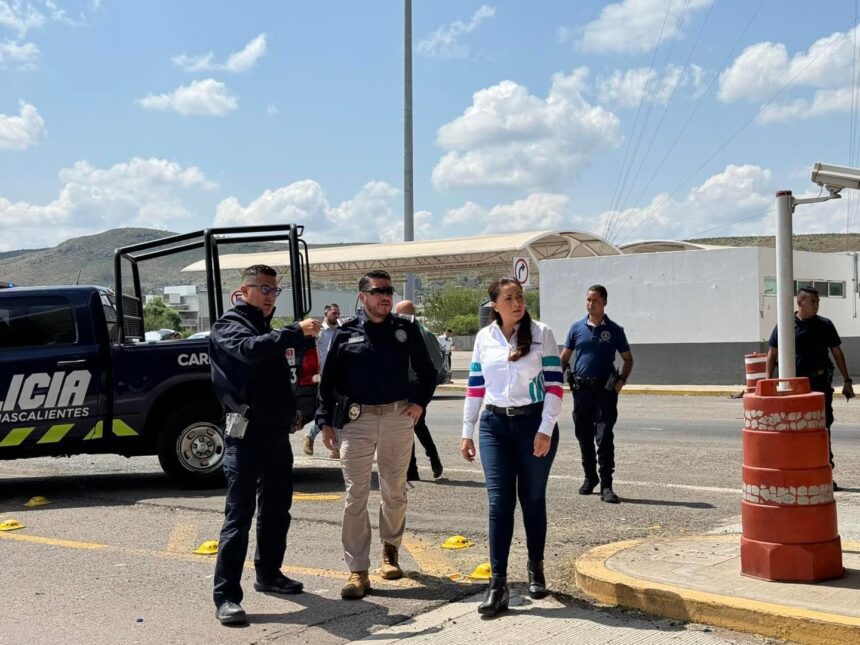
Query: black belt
{"x":588,"y":382}
{"x":514,"y":412}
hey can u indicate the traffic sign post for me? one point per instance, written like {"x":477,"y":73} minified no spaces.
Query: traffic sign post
{"x":521,"y":270}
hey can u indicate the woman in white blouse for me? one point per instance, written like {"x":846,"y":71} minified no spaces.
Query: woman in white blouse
{"x":516,"y":372}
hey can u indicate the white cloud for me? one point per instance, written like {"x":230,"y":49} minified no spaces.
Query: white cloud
{"x":237,"y":62}
{"x":635,"y":25}
{"x":725,"y":200}
{"x":206,"y":97}
{"x":272,"y":110}
{"x":538,"y":211}
{"x":371,"y":215}
{"x":512,"y":139}
{"x":20,"y":16}
{"x":763,"y":69}
{"x":445,"y":42}
{"x":18,"y":55}
{"x":22,"y":131}
{"x":140,"y":192}
{"x":629,"y":87}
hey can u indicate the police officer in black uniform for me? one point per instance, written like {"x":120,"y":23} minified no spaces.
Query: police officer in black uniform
{"x":365,"y":391}
{"x":814,"y":337}
{"x":251,"y":377}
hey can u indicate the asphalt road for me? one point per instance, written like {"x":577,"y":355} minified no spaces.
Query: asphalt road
{"x":110,"y":558}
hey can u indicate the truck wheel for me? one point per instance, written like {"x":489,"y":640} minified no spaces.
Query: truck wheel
{"x":191,"y":447}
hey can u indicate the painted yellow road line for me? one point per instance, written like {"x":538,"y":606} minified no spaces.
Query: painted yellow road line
{"x":430,"y":558}
{"x":740,"y":614}
{"x":316,"y":497}
{"x":208,"y":560}
{"x":183,"y":537}
{"x":67,"y":544}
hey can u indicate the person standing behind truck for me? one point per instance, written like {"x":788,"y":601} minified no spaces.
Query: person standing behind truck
{"x":329,"y":326}
{"x":251,"y":377}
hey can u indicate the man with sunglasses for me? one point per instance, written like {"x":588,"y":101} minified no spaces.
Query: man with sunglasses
{"x":367,"y":371}
{"x":251,"y":377}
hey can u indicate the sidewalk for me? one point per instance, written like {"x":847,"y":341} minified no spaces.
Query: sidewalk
{"x":698,"y":579}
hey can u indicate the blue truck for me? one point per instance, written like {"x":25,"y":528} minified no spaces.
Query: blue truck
{"x":77,"y":376}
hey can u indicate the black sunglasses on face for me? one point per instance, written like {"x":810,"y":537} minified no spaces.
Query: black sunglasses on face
{"x":380,"y":291}
{"x":266,"y":289}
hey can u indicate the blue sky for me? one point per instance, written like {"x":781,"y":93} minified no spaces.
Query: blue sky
{"x":637,"y":119}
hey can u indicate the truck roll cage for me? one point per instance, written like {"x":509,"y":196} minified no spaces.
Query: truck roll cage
{"x":129,"y":306}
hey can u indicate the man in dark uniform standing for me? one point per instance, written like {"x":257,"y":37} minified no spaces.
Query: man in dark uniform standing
{"x":251,"y":377}
{"x":814,"y":336}
{"x":596,"y":385}
{"x":366,"y":377}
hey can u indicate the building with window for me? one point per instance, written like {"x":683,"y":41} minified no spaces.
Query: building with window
{"x":691,"y":313}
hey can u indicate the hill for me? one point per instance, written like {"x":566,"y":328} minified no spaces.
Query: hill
{"x":820,"y":243}
{"x":89,"y":260}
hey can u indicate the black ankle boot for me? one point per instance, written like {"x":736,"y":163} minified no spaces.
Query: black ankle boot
{"x":537,"y":581}
{"x":497,"y":597}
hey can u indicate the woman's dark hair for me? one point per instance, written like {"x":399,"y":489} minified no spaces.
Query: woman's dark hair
{"x":524,"y":331}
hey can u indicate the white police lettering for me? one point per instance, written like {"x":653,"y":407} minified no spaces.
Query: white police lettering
{"x":355,"y":339}
{"x":45,"y":392}
{"x":188,"y":360}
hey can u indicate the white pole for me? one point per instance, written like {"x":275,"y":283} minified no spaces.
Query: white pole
{"x":408,"y":203}
{"x":784,"y":285}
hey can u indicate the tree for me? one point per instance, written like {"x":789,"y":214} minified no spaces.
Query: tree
{"x":442,"y":306}
{"x":157,"y":315}
{"x":457,"y":308}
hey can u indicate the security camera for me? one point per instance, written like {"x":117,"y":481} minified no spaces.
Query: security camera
{"x":835,"y":178}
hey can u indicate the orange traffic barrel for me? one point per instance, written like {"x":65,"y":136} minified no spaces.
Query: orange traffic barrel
{"x":755,"y":369}
{"x":788,"y":515}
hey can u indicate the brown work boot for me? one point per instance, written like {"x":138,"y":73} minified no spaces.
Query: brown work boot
{"x":308,"y":445}
{"x":356,"y":587}
{"x":390,"y":569}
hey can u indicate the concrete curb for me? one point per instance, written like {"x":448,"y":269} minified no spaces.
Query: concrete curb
{"x":740,"y":614}
{"x":661,"y":390}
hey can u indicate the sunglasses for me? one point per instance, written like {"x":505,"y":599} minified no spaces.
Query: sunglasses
{"x":265,"y":289}
{"x":380,"y":291}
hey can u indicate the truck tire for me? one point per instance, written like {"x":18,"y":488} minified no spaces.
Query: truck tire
{"x":191,"y":447}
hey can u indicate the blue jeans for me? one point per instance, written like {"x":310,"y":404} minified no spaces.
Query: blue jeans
{"x":259,"y":471}
{"x":313,"y":430}
{"x":512,"y":471}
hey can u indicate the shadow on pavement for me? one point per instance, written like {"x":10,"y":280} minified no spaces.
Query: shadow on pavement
{"x":120,"y":489}
{"x":665,"y":502}
{"x":363,"y":615}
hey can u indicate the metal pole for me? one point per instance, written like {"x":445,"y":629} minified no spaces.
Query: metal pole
{"x":785,"y":285}
{"x":408,"y":201}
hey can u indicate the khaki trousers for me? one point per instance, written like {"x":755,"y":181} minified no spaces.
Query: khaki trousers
{"x":389,"y":436}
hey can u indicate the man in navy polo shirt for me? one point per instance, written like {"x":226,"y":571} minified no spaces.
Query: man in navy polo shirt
{"x":595,"y":384}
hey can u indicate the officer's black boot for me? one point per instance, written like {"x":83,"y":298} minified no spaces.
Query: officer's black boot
{"x":497,"y":597}
{"x":435,"y":463}
{"x":537,"y":580}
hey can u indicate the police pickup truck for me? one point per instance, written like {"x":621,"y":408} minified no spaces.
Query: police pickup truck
{"x":77,"y":376}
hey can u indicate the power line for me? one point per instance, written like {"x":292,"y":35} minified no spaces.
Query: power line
{"x":743,"y":127}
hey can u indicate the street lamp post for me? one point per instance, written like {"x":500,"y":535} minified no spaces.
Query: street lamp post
{"x":408,"y":197}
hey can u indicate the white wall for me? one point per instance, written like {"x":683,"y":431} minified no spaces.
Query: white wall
{"x":681,"y":297}
{"x":813,"y":266}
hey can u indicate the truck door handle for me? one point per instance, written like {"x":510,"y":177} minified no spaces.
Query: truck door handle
{"x":79,"y":361}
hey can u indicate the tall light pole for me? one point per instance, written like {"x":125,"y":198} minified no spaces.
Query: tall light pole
{"x":408,"y":198}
